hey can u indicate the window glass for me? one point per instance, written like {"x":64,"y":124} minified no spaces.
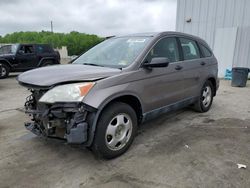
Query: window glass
{"x":190,"y":49}
{"x":8,"y":49}
{"x":166,"y":47}
{"x":43,"y":49}
{"x":5,"y":50}
{"x":28,"y":49}
{"x":115,"y":52}
{"x":206,"y":51}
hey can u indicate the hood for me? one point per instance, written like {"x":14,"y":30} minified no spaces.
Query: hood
{"x":53,"y":75}
{"x":6,"y":56}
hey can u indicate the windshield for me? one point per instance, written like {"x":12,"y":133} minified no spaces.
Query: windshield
{"x":8,"y":49}
{"x":115,"y":52}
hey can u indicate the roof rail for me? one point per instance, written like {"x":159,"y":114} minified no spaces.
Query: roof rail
{"x":108,"y":37}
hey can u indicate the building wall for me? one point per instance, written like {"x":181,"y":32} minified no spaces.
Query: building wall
{"x":209,"y":15}
{"x":242,"y":48}
{"x":63,"y":52}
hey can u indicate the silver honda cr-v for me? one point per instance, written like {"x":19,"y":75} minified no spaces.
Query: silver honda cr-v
{"x":101,"y":98}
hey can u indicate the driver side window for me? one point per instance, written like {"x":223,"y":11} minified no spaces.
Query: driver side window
{"x":27,"y":49}
{"x":166,"y":47}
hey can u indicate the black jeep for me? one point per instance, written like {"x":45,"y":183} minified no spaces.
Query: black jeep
{"x":22,"y":57}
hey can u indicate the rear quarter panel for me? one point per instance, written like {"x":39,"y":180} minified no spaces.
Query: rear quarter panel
{"x":209,"y":71}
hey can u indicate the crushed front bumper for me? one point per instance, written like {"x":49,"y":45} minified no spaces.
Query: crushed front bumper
{"x":69,"y":121}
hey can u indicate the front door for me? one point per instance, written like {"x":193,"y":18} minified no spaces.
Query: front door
{"x":162,"y":86}
{"x":26,"y":57}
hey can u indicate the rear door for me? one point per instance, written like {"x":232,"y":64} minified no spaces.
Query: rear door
{"x":191,"y":67}
{"x":26,"y":57}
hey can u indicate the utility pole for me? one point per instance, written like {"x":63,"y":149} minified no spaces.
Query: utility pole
{"x":51,"y":26}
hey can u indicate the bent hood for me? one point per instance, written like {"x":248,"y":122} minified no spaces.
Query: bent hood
{"x":53,"y":75}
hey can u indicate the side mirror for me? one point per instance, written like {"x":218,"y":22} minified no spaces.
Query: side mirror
{"x":157,"y":62}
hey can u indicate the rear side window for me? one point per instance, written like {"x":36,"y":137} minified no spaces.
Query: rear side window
{"x":43,"y":49}
{"x":190,"y":49}
{"x":206,"y":52}
{"x":166,"y":47}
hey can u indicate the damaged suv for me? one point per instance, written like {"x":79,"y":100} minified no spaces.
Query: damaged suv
{"x":101,"y":98}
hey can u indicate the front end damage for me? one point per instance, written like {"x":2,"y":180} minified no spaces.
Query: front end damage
{"x":69,"y":121}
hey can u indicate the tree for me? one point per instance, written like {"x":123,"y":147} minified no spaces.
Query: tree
{"x":76,"y":42}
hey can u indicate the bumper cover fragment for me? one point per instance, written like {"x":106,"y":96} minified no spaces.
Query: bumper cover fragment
{"x":78,"y":134}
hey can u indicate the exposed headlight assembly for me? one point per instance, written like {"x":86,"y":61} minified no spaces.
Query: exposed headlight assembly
{"x":67,"y":93}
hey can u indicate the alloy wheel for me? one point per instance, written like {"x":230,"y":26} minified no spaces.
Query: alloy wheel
{"x":3,"y":72}
{"x":118,"y":132}
{"x":206,"y":96}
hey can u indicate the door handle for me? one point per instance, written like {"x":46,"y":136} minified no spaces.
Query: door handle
{"x":178,"y":67}
{"x":203,"y":63}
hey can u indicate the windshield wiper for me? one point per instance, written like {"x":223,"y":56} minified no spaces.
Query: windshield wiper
{"x":93,"y":64}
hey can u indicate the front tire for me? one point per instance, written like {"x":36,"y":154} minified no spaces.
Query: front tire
{"x":5,"y":71}
{"x":205,"y":100}
{"x":116,"y":129}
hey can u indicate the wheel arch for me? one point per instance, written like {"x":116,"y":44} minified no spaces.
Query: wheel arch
{"x":132,"y":101}
{"x":213,"y":81}
{"x":6,"y":62}
{"x":128,"y":98}
{"x":47,"y":58}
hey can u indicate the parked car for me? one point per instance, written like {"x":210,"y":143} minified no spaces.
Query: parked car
{"x":100,"y":99}
{"x":23,"y":57}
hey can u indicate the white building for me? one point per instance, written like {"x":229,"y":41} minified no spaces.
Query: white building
{"x":224,"y":24}
{"x":63,"y":52}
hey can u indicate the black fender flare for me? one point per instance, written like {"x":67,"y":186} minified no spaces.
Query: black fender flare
{"x":5,"y":61}
{"x":47,"y":58}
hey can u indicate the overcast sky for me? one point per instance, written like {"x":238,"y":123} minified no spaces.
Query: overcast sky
{"x":101,"y":17}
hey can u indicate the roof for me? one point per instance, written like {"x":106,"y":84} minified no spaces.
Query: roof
{"x":159,"y":34}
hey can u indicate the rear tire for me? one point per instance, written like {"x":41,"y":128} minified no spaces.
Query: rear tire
{"x":115,"y":132}
{"x":5,"y":71}
{"x":205,"y":100}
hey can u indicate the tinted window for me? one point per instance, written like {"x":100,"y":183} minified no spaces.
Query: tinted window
{"x":43,"y":49}
{"x":206,"y":52}
{"x":190,"y":49}
{"x":27,"y":49}
{"x":166,"y":47}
